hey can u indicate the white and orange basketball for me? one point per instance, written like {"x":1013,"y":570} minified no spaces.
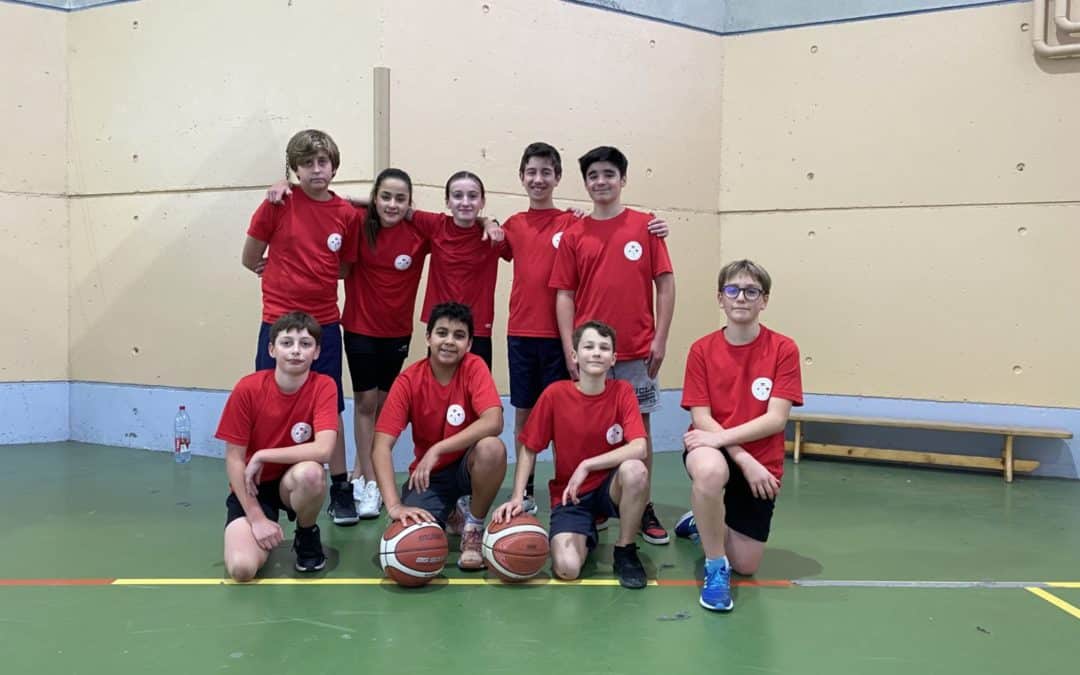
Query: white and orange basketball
{"x":413,"y":555}
{"x":517,"y":549}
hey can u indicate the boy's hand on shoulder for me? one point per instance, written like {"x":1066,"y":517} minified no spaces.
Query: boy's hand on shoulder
{"x":267,"y":533}
{"x":508,"y":510}
{"x":578,"y":212}
{"x":277,"y":192}
{"x":574,"y":484}
{"x":763,"y":484}
{"x":409,"y":515}
{"x":492,"y":230}
{"x":658,"y":227}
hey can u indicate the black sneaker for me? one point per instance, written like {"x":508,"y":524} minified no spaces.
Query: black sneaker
{"x":628,"y":567}
{"x":651,"y":529}
{"x":308,"y":547}
{"x":342,"y":508}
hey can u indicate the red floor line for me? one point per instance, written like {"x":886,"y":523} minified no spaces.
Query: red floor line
{"x":56,"y":582}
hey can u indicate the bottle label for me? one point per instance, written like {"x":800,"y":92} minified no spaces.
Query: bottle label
{"x":181,"y":444}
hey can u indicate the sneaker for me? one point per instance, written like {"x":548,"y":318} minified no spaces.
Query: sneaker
{"x":341,"y":508}
{"x":369,"y":501}
{"x":529,"y":505}
{"x":601,"y":523}
{"x":628,"y":567}
{"x":716,"y":593}
{"x":472,"y":557}
{"x":455,"y":522}
{"x":308,"y":547}
{"x":686,"y":528}
{"x":651,"y":529}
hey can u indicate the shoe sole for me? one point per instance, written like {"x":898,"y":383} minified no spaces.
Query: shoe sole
{"x":318,"y":567}
{"x":368,"y":516}
{"x":656,"y":541}
{"x":634,"y":585}
{"x":471,"y":569}
{"x":730,"y":606}
{"x":346,"y":521}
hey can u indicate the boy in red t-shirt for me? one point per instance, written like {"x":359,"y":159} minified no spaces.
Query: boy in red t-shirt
{"x":532,"y":237}
{"x":599,"y":459}
{"x":311,"y":235}
{"x":451,"y":402}
{"x":279,"y":427}
{"x":606,"y":269}
{"x":741,"y":382}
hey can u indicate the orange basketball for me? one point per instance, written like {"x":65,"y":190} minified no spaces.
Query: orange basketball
{"x":516,"y":550}
{"x":413,"y":555}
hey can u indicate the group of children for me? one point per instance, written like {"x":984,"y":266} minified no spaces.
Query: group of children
{"x":582,"y":285}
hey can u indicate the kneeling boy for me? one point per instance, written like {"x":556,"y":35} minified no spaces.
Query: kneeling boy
{"x":279,"y":427}
{"x":456,"y":416}
{"x":599,"y":459}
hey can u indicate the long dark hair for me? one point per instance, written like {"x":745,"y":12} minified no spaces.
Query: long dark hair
{"x":372,"y":224}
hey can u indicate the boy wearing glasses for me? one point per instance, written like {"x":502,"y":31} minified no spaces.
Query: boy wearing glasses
{"x":741,"y":382}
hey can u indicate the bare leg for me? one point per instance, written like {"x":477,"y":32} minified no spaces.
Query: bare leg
{"x":709,"y":475}
{"x":743,"y":553}
{"x":521,"y":416}
{"x":568,"y":553}
{"x":243,"y":555}
{"x":487,"y":468}
{"x":337,"y":460}
{"x":303,"y":489}
{"x":630,"y":489}
{"x":366,"y":411}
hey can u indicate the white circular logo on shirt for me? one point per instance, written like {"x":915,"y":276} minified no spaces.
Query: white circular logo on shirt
{"x":632,"y":250}
{"x":761,"y":388}
{"x":556,"y":239}
{"x":614,"y":434}
{"x":455,"y":415}
{"x":402,"y":262}
{"x":301,"y":432}
{"x":333,"y":242}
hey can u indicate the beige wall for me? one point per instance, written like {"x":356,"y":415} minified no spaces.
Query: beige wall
{"x":917,"y":262}
{"x":33,"y":211}
{"x":893,"y":284}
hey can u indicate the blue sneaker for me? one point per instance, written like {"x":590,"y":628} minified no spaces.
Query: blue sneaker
{"x":716,"y":593}
{"x":687,"y":527}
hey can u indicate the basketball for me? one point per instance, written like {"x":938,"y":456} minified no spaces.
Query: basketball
{"x":413,"y":555}
{"x":517,"y":549}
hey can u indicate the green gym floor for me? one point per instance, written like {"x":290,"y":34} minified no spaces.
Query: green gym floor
{"x":98,"y":542}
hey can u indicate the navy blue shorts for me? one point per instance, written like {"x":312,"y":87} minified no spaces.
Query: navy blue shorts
{"x":534,"y":364}
{"x":328,"y":363}
{"x":446,"y":485}
{"x":743,"y":512}
{"x":269,"y":501}
{"x":581,"y":518}
{"x":374,"y":362}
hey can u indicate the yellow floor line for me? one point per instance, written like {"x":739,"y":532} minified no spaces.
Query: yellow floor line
{"x":1064,"y":584}
{"x":1055,"y":601}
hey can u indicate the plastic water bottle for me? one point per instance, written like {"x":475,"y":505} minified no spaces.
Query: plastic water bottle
{"x":182,"y":437}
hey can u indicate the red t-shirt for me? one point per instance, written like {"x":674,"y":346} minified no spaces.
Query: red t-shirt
{"x":463,"y":268}
{"x":258,"y":415}
{"x":610,"y":265}
{"x":582,"y":426}
{"x":380,"y":291}
{"x":308,"y":242}
{"x":436,"y":411}
{"x":532,"y":240}
{"x":737,"y":381}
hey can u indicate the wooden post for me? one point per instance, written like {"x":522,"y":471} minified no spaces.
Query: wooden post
{"x":1008,"y":457}
{"x":798,"y":441}
{"x":382,"y":118}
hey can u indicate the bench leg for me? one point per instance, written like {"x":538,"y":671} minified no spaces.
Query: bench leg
{"x":798,"y":441}
{"x":1007,"y":456}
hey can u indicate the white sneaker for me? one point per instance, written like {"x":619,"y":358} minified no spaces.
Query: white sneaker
{"x":358,"y":484}
{"x":528,"y":505}
{"x":370,"y":502}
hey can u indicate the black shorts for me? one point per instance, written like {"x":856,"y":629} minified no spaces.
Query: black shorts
{"x":743,"y":512}
{"x":481,"y":346}
{"x":374,"y":362}
{"x":269,"y":500}
{"x":581,"y":518}
{"x":328,"y":363}
{"x":446,"y":485}
{"x":534,"y":364}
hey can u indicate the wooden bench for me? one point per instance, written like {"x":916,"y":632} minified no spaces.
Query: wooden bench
{"x":1006,"y":464}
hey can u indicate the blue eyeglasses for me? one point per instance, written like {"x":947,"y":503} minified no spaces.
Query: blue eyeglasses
{"x":732,"y":291}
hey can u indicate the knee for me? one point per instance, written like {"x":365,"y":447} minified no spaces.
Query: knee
{"x":634,"y":476}
{"x":711,"y":474}
{"x":310,"y":477}
{"x":566,"y":566}
{"x":366,"y":403}
{"x":744,"y":567}
{"x":241,"y":567}
{"x":490,"y":453}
